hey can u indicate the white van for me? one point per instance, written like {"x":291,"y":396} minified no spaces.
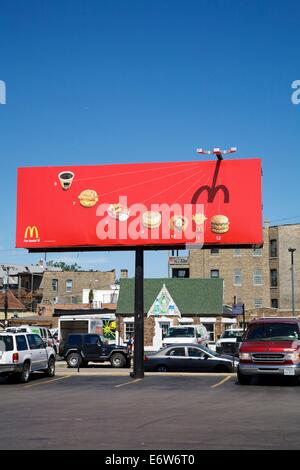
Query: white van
{"x":187,"y":334}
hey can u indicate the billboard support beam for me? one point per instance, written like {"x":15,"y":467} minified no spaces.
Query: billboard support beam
{"x":138,"y":359}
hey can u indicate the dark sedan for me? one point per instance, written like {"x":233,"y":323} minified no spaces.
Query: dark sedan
{"x":188,"y":358}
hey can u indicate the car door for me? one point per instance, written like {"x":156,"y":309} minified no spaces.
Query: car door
{"x":92,"y":347}
{"x":34,"y":352}
{"x":199,"y":361}
{"x":176,"y":359}
{"x":39,"y":354}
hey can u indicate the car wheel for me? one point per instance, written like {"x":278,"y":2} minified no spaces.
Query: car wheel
{"x":161,"y":368}
{"x":25,"y":374}
{"x":74,"y":360}
{"x":50,"y":371}
{"x":118,"y":360}
{"x":243,"y":379}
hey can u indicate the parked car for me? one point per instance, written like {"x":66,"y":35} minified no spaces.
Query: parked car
{"x":23,"y":353}
{"x":197,"y":334}
{"x":45,"y":333}
{"x":79,"y":349}
{"x":188,"y":358}
{"x":271,"y":347}
{"x":229,"y":342}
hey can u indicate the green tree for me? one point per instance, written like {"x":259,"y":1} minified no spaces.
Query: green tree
{"x":63,"y":266}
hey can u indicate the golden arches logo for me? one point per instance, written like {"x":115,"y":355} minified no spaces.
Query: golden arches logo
{"x":31,"y":232}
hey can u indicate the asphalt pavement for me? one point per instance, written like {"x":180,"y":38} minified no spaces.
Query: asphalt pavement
{"x":96,"y":409}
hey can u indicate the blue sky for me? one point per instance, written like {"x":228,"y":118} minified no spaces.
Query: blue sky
{"x":103,"y":81}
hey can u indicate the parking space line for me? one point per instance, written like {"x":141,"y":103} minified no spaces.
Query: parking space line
{"x":47,"y":381}
{"x":222,"y":381}
{"x":127,"y":383}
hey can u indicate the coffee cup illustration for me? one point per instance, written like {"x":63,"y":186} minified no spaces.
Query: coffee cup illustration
{"x":66,"y":179}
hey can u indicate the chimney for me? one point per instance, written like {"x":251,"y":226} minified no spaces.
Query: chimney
{"x":124,"y":273}
{"x":42,"y":263}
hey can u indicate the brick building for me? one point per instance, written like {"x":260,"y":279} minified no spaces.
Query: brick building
{"x":171,"y":302}
{"x":259,"y":278}
{"x":283,"y":237}
{"x":245,"y":272}
{"x":67,"y":286}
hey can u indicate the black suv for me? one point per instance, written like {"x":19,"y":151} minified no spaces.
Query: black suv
{"x":81,"y":348}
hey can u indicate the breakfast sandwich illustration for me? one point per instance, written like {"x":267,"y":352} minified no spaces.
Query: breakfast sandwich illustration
{"x":118,"y":211}
{"x":151,"y":219}
{"x":88,"y":198}
{"x":178,"y":222}
{"x":219,"y":224}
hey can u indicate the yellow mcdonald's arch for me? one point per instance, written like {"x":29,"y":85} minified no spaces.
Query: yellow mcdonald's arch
{"x":32,"y":231}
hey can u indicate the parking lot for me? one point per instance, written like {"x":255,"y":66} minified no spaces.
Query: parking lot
{"x":101,"y":408}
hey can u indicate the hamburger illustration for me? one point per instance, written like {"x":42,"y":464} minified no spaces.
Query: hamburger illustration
{"x":178,"y":222}
{"x":151,"y":219}
{"x":219,"y":224}
{"x":118,"y":211}
{"x":88,"y":198}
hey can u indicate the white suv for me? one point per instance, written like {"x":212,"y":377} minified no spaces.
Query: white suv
{"x":23,"y":353}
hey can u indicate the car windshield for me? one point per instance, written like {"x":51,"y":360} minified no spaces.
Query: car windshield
{"x":232,"y":334}
{"x":183,"y":332}
{"x":209,"y":351}
{"x":273,"y":331}
{"x":6,"y":343}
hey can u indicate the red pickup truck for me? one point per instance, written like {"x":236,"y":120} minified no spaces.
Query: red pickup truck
{"x":271,"y":346}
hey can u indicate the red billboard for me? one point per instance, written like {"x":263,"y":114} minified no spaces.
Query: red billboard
{"x":143,"y":204}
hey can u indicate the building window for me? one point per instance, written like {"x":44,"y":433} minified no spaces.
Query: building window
{"x":180,"y":273}
{"x":214,"y":273}
{"x":129,"y":330}
{"x":257,"y":277}
{"x":273,"y":248}
{"x":237,"y":277}
{"x":257,"y":251}
{"x":164,"y":329}
{"x":273,"y":273}
{"x":258,"y":303}
{"x":237,"y":252}
{"x":215,"y":251}
{"x":69,"y":285}
{"x":211,"y":331}
{"x":274,"y":303}
{"x":54,"y":285}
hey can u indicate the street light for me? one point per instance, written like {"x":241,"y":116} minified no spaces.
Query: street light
{"x":217,"y":151}
{"x":6,"y":287}
{"x":292,"y":250}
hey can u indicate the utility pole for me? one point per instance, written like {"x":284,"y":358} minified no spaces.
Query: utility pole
{"x":292,"y":250}
{"x":6,"y":296}
{"x":138,"y":355}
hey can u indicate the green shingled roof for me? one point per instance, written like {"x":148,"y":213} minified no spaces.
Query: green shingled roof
{"x":192,"y":296}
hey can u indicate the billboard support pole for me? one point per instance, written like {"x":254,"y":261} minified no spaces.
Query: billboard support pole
{"x":138,"y":357}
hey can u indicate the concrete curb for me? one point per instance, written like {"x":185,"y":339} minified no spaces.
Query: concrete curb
{"x":126,"y":373}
